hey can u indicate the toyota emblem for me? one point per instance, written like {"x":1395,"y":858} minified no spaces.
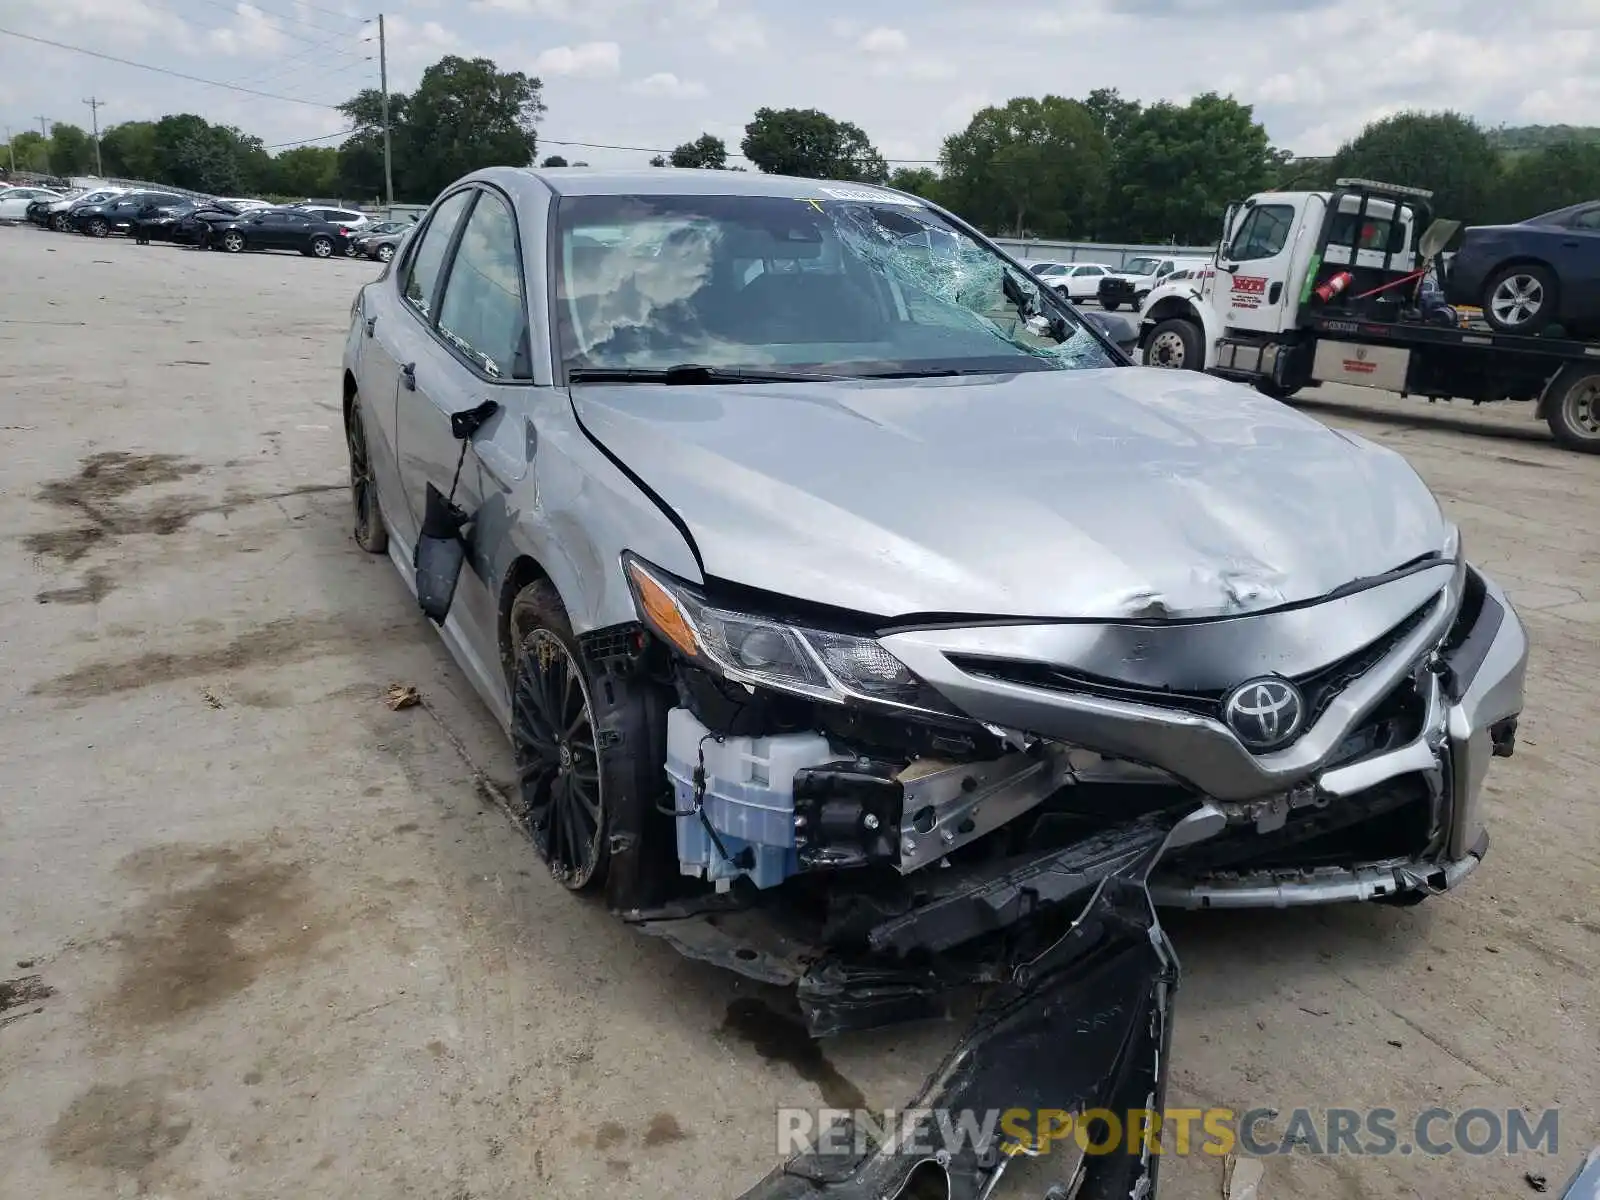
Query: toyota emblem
{"x":1264,"y":713}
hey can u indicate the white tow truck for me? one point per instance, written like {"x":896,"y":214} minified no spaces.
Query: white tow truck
{"x":1308,"y":288}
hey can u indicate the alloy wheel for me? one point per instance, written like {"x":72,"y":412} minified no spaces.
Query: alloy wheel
{"x":1516,"y":299}
{"x":385,"y":253}
{"x":233,"y":242}
{"x":322,"y":247}
{"x":558,"y":768}
{"x":99,"y":228}
{"x":363,"y":487}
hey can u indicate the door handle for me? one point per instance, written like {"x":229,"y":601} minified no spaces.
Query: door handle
{"x":408,"y":376}
{"x":1274,"y":292}
{"x":372,"y":323}
{"x":1571,"y":242}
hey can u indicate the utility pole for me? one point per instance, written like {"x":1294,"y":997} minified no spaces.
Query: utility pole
{"x":94,"y":113}
{"x":13,"y":150}
{"x":383,"y":82}
{"x":44,"y":130}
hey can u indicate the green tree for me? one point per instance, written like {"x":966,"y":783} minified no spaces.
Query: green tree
{"x":361,"y":154}
{"x":31,"y":151}
{"x":190,"y":152}
{"x":555,"y":160}
{"x":1445,"y":152}
{"x":659,"y":160}
{"x":1179,"y":166}
{"x":811,"y":144}
{"x":71,"y":150}
{"x":1548,"y":178}
{"x":1033,"y":166}
{"x":919,"y":181}
{"x":129,"y":150}
{"x":467,"y":114}
{"x":706,"y":152}
{"x":304,"y":171}
{"x":1113,"y":115}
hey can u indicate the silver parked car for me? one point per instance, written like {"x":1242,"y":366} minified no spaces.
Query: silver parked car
{"x":831,"y":576}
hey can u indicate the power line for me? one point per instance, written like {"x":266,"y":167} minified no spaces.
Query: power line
{"x":321,"y":137}
{"x":268,"y":12}
{"x":127,"y":62}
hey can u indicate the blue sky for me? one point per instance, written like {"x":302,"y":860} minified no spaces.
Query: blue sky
{"x":653,"y":73}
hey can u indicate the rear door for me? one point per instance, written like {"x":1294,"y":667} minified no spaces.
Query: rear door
{"x":1252,"y":274}
{"x":1580,"y":281}
{"x":397,"y":311}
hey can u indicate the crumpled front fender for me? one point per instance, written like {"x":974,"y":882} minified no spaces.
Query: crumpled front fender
{"x":1083,"y":1024}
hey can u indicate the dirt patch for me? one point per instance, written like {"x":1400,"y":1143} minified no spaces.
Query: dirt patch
{"x":609,"y":1134}
{"x":118,"y":1127}
{"x":663,"y":1130}
{"x":290,"y":640}
{"x":221,"y":918}
{"x":96,"y":586}
{"x":95,"y":497}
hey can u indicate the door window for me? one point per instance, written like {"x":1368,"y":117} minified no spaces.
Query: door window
{"x":483,"y":314}
{"x":1589,"y":218}
{"x":1264,"y":233}
{"x":422,"y":274}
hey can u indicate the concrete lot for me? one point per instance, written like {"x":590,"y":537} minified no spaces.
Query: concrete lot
{"x":283,"y":947}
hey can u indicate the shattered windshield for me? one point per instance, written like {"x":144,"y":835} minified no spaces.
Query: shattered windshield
{"x":853,"y":280}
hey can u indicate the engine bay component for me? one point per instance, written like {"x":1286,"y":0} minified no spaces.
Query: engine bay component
{"x":734,"y":800}
{"x":950,"y":804}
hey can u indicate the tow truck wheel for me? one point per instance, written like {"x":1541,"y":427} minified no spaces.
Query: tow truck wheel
{"x":1572,"y":409}
{"x":1520,"y":299}
{"x":1175,"y":344}
{"x":1111,"y":305}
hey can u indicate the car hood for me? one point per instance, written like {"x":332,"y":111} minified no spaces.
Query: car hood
{"x":1113,"y":493}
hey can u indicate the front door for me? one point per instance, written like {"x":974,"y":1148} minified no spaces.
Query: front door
{"x":1252,"y":274}
{"x":477,"y":350}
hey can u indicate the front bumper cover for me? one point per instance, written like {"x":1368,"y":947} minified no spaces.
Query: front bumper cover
{"x":1082,"y":1020}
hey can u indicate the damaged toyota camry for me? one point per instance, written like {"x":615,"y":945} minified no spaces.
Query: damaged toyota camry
{"x":863,"y":621}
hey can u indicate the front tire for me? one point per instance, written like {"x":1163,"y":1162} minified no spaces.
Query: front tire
{"x":60,"y":223}
{"x":233,"y":242}
{"x":322,"y":247}
{"x":1520,"y":299}
{"x":99,"y":227}
{"x":561,"y":775}
{"x":369,"y":530}
{"x":1111,"y":305}
{"x":1572,"y":409}
{"x":1176,"y":345}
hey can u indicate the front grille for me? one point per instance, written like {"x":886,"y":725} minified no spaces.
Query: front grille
{"x":1319,"y":688}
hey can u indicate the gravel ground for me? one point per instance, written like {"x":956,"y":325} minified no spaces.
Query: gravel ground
{"x":262,"y":936}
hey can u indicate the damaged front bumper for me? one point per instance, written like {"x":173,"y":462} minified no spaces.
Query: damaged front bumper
{"x":1081,"y":1020}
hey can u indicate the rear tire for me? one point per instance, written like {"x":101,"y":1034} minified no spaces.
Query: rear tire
{"x":1520,"y":299}
{"x":385,"y":253}
{"x":60,"y":223}
{"x":322,"y":247}
{"x":369,"y":530}
{"x":1572,"y":409}
{"x":1111,"y":305}
{"x":1176,"y":345}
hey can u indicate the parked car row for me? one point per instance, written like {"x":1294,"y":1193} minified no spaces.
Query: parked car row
{"x":233,"y":225}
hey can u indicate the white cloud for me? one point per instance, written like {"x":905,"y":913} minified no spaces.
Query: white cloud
{"x":590,"y":59}
{"x":738,"y":34}
{"x":666,"y":84}
{"x":251,"y":34}
{"x":883,"y":40}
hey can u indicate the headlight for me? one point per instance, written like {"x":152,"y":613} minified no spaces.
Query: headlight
{"x":834,"y":667}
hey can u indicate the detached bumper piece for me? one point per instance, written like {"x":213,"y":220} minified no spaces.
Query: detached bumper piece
{"x":1082,"y":1020}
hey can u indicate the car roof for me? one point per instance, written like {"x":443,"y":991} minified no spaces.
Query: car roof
{"x":682,"y":181}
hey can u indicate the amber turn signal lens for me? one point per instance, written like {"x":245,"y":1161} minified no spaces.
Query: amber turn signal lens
{"x":664,"y":613}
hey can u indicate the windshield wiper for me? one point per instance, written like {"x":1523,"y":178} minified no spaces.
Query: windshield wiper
{"x":694,"y":373}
